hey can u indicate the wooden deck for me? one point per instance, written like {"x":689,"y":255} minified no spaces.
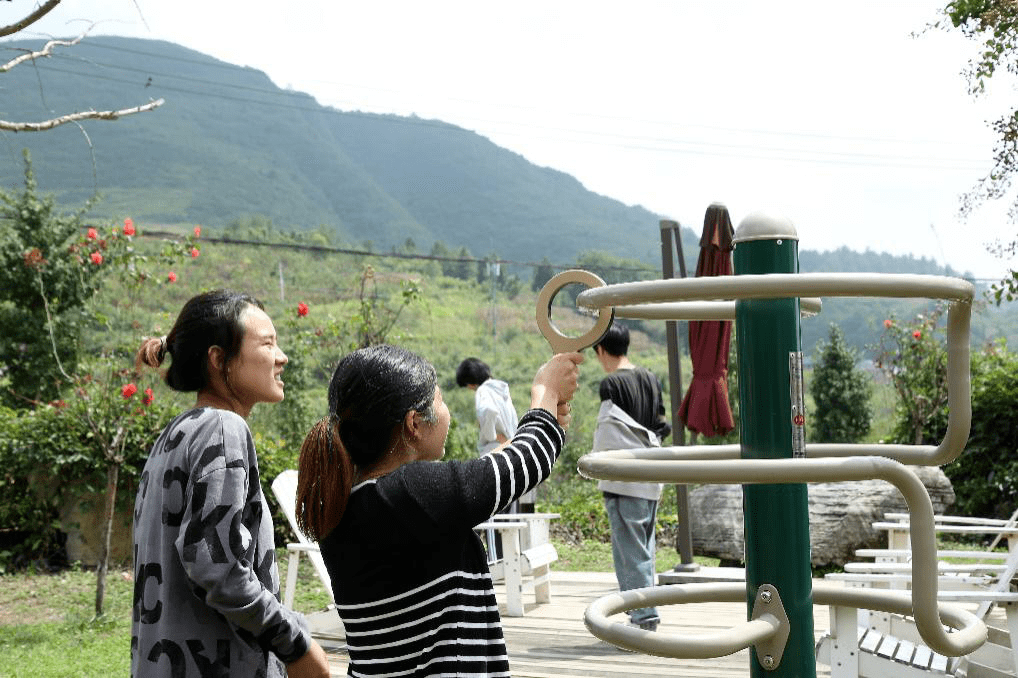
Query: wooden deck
{"x":551,"y":641}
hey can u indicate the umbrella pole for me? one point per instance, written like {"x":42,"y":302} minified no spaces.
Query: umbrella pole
{"x":684,"y":533}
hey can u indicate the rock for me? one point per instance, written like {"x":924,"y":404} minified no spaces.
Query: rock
{"x":841,"y":516}
{"x":81,"y":518}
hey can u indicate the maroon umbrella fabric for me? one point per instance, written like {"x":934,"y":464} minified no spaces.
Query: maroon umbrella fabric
{"x":705,"y":409}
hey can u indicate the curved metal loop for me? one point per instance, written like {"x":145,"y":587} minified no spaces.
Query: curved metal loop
{"x":969,"y":632}
{"x":559,"y":342}
{"x":658,"y":643}
{"x":627,"y":465}
{"x":783,"y":285}
{"x":838,"y":463}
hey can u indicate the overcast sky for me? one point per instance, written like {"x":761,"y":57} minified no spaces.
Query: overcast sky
{"x":830,"y":114}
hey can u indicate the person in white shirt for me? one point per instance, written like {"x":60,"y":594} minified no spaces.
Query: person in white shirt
{"x":493,"y":404}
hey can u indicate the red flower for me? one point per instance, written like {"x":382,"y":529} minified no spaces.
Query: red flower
{"x":917,"y":334}
{"x":34,"y":258}
{"x":194,"y":253}
{"x":171,"y":276}
{"x":149,"y":397}
{"x":888,"y":323}
{"x":92,"y":234}
{"x":96,"y":258}
{"x":197,"y":231}
{"x":302,"y":309}
{"x":129,"y":226}
{"x":128,"y":390}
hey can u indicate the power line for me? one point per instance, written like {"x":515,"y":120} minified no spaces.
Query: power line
{"x":633,"y":142}
{"x":328,"y":249}
{"x":213,"y":61}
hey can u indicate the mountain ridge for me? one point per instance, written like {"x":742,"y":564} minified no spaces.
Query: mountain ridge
{"x":229,"y":143}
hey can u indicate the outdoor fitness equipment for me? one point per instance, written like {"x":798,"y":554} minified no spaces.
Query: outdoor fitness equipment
{"x":772,"y":461}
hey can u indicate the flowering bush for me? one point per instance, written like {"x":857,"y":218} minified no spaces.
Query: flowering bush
{"x":914,"y":357}
{"x":51,"y":266}
{"x":57,"y":441}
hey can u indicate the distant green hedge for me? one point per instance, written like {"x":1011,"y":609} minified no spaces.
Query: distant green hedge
{"x":985,"y":476}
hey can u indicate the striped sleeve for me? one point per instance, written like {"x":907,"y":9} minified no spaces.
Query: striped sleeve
{"x":526,"y":460}
{"x":460,"y":494}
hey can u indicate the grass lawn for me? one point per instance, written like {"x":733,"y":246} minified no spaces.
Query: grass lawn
{"x":47,"y":628}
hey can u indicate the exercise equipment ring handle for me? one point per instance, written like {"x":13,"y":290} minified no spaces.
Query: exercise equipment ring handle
{"x":559,"y":342}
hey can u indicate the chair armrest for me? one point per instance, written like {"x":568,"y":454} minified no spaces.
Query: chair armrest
{"x":500,"y":525}
{"x":302,"y":548}
{"x":526,"y":516}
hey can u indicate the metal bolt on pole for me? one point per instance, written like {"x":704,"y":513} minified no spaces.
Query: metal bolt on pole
{"x":770,"y":390}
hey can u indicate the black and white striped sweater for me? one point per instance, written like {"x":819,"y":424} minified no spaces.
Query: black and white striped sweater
{"x":409,"y":574}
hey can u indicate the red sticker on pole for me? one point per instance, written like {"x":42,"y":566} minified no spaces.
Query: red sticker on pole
{"x":795,"y":387}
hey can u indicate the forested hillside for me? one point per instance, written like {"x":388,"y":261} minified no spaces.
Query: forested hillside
{"x":233,"y":152}
{"x":229,"y":143}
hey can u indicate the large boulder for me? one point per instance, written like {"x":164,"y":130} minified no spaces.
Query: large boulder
{"x":841,"y":516}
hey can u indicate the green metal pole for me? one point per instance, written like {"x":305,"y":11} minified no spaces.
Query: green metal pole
{"x":770,"y":406}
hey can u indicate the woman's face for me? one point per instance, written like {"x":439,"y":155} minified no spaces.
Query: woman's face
{"x":255,"y":372}
{"x":431,"y":445}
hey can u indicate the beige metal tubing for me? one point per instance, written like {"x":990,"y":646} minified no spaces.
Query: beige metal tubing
{"x":629,"y":465}
{"x":781,"y":285}
{"x":700,"y":310}
{"x":723,"y":643}
{"x":959,"y":406}
{"x":705,"y":646}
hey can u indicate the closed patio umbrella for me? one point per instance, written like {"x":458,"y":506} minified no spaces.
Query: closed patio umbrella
{"x":705,"y":409}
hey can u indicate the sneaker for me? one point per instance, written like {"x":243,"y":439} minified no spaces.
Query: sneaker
{"x":647,"y":625}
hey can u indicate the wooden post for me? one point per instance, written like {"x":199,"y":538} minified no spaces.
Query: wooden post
{"x":670,"y":233}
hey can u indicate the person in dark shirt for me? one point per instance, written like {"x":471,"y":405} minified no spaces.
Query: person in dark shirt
{"x":396,"y":529}
{"x":632,"y":415}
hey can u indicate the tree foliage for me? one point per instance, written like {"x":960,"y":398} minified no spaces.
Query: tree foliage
{"x":914,"y":358}
{"x":542,"y":274}
{"x":841,"y":393}
{"x":41,"y":269}
{"x":993,"y":24}
{"x":985,"y":477}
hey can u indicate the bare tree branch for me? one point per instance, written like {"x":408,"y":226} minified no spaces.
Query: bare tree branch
{"x":44,"y":52}
{"x":74,"y":117}
{"x":30,"y":19}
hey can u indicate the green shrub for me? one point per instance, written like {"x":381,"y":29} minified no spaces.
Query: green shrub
{"x":841,"y":393}
{"x":985,"y":476}
{"x":50,"y":454}
{"x":581,"y":507}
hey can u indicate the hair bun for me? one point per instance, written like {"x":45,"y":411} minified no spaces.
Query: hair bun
{"x":152,"y":352}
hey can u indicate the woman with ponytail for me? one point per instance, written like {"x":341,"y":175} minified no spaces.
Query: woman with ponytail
{"x":409,"y":575}
{"x":206,"y":593}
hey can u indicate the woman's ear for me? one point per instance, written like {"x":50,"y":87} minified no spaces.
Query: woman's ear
{"x":216,"y":356}
{"x":412,"y":424}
